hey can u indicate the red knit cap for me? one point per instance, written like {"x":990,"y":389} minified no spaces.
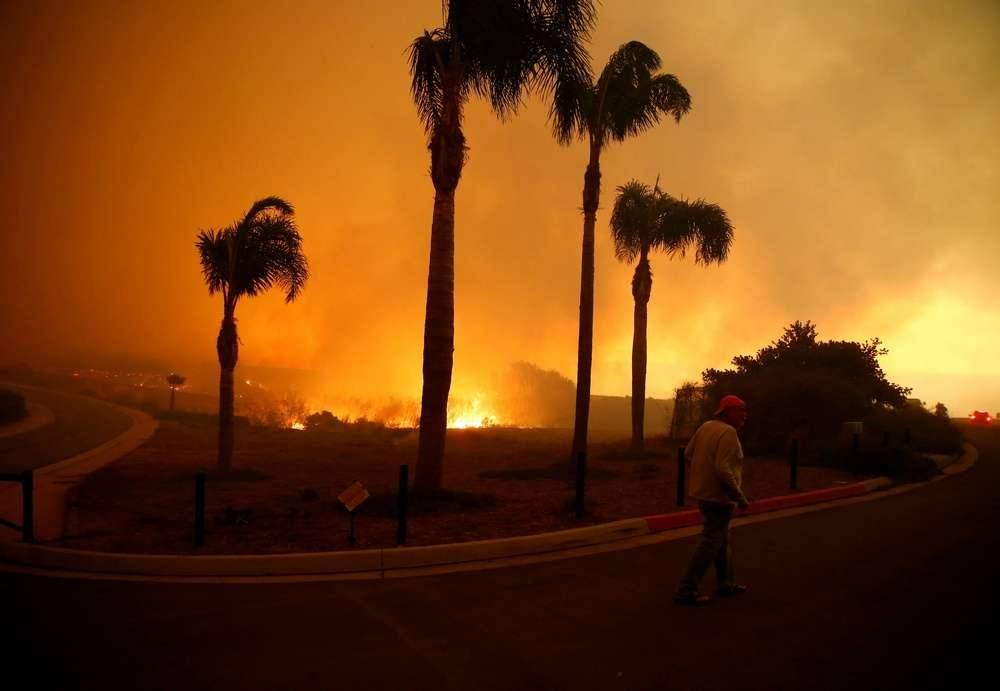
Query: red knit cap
{"x":730,"y":402}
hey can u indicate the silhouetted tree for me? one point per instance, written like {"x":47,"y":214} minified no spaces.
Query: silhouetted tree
{"x":800,"y":384}
{"x":646,"y":219}
{"x":628,"y":99}
{"x":495,"y":49}
{"x":174,"y":381}
{"x":259,"y":251}
{"x":941,"y":410}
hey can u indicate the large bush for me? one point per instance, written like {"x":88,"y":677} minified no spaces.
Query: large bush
{"x":913,"y":427}
{"x":12,"y":406}
{"x":801,"y":386}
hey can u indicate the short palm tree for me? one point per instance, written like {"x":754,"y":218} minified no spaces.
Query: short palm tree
{"x":174,"y":381}
{"x":646,"y":219}
{"x":628,"y":99}
{"x":498,"y":50}
{"x":259,"y":251}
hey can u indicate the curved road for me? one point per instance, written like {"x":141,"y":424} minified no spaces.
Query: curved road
{"x":897,"y":593}
{"x":79,"y":424}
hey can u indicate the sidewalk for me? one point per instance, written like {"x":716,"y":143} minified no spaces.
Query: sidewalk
{"x":54,"y":480}
{"x":38,"y":416}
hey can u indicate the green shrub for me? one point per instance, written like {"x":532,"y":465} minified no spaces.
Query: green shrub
{"x":12,"y":406}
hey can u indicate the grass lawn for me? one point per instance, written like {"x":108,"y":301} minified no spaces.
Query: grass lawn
{"x":282,"y":496}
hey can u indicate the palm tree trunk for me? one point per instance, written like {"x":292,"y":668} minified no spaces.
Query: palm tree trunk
{"x":439,"y":344}
{"x":447,"y":147}
{"x":172,"y":390}
{"x":227,"y":346}
{"x":642,"y":284}
{"x":585,"y":344}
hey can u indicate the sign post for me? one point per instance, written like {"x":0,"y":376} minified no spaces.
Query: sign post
{"x":352,"y":498}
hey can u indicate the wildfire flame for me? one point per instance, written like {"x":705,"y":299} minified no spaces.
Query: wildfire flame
{"x":462,"y":413}
{"x":473,"y":414}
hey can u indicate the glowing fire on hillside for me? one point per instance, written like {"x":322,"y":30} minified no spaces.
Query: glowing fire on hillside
{"x":462,"y":413}
{"x":470,"y":414}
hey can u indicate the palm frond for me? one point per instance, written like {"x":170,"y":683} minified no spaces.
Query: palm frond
{"x":274,"y":204}
{"x":634,"y":98}
{"x":571,"y":102}
{"x":427,"y":55}
{"x":262,"y":250}
{"x":505,"y":48}
{"x":645,"y":217}
{"x":564,"y":69}
{"x":669,"y":96}
{"x":631,"y":220}
{"x":269,"y":255}
{"x":684,"y":223}
{"x":630,"y":62}
{"x":214,"y":255}
{"x":495,"y":42}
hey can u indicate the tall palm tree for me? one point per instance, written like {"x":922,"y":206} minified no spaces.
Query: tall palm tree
{"x":498,"y":50}
{"x":628,"y":99}
{"x":646,"y":219}
{"x":174,"y":381}
{"x":259,"y":251}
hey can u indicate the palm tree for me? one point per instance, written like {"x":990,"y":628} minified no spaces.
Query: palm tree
{"x":498,"y":50}
{"x":259,"y":251}
{"x":647,"y":219}
{"x":628,"y":99}
{"x":174,"y":381}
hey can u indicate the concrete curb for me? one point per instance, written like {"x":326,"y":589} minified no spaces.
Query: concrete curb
{"x":683,"y":519}
{"x":390,"y":558}
{"x":54,"y":480}
{"x":401,"y":559}
{"x":968,"y":458}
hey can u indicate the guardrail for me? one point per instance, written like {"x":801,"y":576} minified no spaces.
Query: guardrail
{"x":27,"y":525}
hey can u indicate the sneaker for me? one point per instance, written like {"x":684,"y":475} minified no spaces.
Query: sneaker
{"x":731,"y":590}
{"x":692,"y":600}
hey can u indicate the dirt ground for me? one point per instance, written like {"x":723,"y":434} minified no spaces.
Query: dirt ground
{"x":281,"y":496}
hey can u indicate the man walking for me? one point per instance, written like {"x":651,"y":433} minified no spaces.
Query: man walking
{"x":716,"y":483}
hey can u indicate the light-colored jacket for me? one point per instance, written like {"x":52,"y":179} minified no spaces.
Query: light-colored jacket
{"x":716,"y":458}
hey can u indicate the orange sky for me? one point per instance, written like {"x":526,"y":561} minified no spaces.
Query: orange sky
{"x":854,"y":146}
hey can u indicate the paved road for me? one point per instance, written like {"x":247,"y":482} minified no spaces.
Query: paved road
{"x":80,"y":424}
{"x":892,"y":594}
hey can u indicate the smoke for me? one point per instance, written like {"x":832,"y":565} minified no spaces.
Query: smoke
{"x":853,"y":145}
{"x":532,"y":397}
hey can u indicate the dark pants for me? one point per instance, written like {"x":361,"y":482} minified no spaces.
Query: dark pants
{"x":713,"y":546}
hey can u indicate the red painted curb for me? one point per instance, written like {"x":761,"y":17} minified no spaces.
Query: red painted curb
{"x":790,"y":501}
{"x":669,"y":521}
{"x":683,"y":519}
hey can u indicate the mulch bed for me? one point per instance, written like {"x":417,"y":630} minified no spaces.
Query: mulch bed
{"x":281,"y":496}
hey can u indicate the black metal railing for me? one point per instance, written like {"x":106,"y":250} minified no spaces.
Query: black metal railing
{"x":27,"y":525}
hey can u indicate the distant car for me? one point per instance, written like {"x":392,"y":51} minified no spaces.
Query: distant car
{"x":980,"y":417}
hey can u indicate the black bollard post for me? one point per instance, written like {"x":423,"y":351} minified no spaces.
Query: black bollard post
{"x":581,"y":472}
{"x":350,"y":538}
{"x":856,"y":447}
{"x":28,"y":506}
{"x":681,"y":477}
{"x":793,"y":462}
{"x":199,"y":509}
{"x":404,"y":483}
